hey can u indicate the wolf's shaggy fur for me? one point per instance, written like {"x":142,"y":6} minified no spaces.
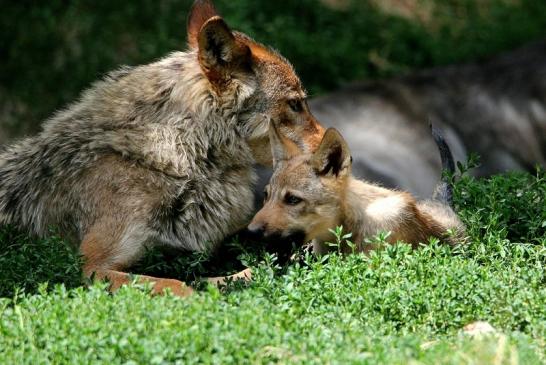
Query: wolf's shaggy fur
{"x":160,"y":154}
{"x":156,"y":124}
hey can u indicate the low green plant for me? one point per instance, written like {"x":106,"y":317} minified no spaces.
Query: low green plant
{"x":26,"y":262}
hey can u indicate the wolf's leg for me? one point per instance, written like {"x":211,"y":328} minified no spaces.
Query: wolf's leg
{"x":117,"y":279}
{"x":106,"y":253}
{"x":245,"y":275}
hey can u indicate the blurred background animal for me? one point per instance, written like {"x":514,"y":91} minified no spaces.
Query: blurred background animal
{"x":496,"y":109}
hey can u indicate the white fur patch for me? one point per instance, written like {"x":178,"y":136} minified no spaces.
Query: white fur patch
{"x":132,"y":244}
{"x":386,"y":208}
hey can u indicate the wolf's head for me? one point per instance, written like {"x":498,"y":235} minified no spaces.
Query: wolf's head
{"x":230,"y":60}
{"x":306,"y":192}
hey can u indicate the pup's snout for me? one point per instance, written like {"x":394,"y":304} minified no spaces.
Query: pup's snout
{"x":256,"y":230}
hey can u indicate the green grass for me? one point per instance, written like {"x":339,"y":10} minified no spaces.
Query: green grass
{"x":396,"y":306}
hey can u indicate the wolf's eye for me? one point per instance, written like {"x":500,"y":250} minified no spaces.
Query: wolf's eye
{"x":292,"y":199}
{"x":296,"y":105}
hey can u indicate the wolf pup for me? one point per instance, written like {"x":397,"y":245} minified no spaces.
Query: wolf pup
{"x":310,"y":193}
{"x":160,"y":154}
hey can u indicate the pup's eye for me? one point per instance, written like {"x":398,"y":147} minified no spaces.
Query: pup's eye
{"x":296,"y":105}
{"x":265,"y":195}
{"x":292,"y":199}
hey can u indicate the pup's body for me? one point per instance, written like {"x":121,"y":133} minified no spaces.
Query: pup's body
{"x":369,"y":209}
{"x":160,"y":154}
{"x":310,"y":194}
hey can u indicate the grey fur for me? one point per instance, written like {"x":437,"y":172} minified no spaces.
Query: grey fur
{"x":182,"y":170}
{"x":158,"y":155}
{"x":444,"y":190}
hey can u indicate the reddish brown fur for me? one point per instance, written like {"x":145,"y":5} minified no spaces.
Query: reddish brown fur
{"x":248,"y":54}
{"x":417,"y":227}
{"x":201,"y":11}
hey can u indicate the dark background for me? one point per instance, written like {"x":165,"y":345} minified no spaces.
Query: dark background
{"x":51,"y":50}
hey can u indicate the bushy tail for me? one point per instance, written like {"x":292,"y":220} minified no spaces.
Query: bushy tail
{"x":444,"y":190}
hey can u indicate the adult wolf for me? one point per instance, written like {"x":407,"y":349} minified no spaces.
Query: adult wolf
{"x":159,"y":154}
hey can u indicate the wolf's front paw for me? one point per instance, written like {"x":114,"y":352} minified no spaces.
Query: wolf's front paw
{"x":245,"y":275}
{"x":177,"y":287}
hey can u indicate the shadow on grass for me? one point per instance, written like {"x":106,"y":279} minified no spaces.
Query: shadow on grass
{"x":26,"y":262}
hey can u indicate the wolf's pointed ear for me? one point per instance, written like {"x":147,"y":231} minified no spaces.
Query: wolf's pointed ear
{"x":201,"y":11}
{"x":282,"y":148}
{"x":220,"y":54}
{"x":333,"y":155}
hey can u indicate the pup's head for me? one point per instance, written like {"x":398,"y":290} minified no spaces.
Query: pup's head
{"x":235,"y":64}
{"x":304,"y":197}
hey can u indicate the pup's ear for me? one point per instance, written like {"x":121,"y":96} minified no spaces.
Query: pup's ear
{"x":201,"y":11}
{"x":282,"y":148}
{"x":333,"y":155}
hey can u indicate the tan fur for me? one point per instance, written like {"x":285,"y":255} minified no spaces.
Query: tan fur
{"x":368,"y":209}
{"x":160,"y":154}
{"x":329,"y":196}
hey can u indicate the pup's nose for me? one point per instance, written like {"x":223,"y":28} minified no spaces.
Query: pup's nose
{"x":256,"y":230}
